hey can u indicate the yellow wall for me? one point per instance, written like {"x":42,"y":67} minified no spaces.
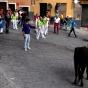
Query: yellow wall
{"x":20,"y":2}
{"x":36,"y":7}
{"x":69,"y":8}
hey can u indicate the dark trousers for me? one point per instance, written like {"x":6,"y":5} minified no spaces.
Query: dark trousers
{"x":7,"y":26}
{"x":72,"y":30}
{"x":56,"y":27}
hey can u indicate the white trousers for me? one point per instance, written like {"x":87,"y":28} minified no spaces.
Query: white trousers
{"x":46,"y":29}
{"x":36,"y":25}
{"x":1,"y":30}
{"x":40,"y":32}
{"x":14,"y":22}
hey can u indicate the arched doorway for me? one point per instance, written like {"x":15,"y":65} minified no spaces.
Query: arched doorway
{"x":60,"y":9}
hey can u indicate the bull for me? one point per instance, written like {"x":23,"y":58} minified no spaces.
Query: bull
{"x":80,"y":64}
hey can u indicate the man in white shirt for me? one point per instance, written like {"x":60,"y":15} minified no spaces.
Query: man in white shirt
{"x":56,"y":24}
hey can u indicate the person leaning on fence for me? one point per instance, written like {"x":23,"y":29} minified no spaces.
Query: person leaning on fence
{"x":72,"y":25}
{"x":26,"y":33}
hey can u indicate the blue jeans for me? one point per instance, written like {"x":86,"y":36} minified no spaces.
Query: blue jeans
{"x":26,"y":41}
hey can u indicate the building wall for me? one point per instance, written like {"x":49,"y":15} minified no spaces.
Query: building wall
{"x":83,"y":1}
{"x":36,"y":7}
{"x":69,"y":8}
{"x":20,"y":2}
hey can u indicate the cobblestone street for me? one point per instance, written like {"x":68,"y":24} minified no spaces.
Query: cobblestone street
{"x":49,"y":63}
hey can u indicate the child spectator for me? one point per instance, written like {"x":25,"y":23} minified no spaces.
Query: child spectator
{"x":26,"y":33}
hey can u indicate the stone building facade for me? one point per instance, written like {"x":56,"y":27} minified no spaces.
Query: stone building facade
{"x":66,"y":6}
{"x":84,"y":13}
{"x":39,"y":6}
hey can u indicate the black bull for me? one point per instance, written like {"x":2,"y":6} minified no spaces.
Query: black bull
{"x":80,"y":64}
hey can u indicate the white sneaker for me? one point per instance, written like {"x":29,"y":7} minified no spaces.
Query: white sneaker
{"x":25,"y":49}
{"x":29,"y":48}
{"x":44,"y":37}
{"x":37,"y":38}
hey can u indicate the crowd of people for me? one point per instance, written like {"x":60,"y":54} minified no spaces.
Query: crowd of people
{"x":41,"y":25}
{"x":6,"y":19}
{"x":65,"y":23}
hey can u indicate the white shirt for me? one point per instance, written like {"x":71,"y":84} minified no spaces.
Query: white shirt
{"x":56,"y":19}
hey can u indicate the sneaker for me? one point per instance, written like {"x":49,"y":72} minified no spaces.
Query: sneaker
{"x":44,"y":37}
{"x":37,"y":38}
{"x":25,"y":49}
{"x":29,"y":48}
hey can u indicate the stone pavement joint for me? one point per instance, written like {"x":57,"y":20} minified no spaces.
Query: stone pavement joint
{"x":5,"y":82}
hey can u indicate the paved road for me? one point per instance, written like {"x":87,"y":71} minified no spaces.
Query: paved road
{"x":49,"y":64}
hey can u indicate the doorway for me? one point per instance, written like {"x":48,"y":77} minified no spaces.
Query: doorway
{"x":84,"y":18}
{"x":25,"y":9}
{"x":61,"y":9}
{"x":12,"y":7}
{"x":43,"y":9}
{"x":3,"y":7}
